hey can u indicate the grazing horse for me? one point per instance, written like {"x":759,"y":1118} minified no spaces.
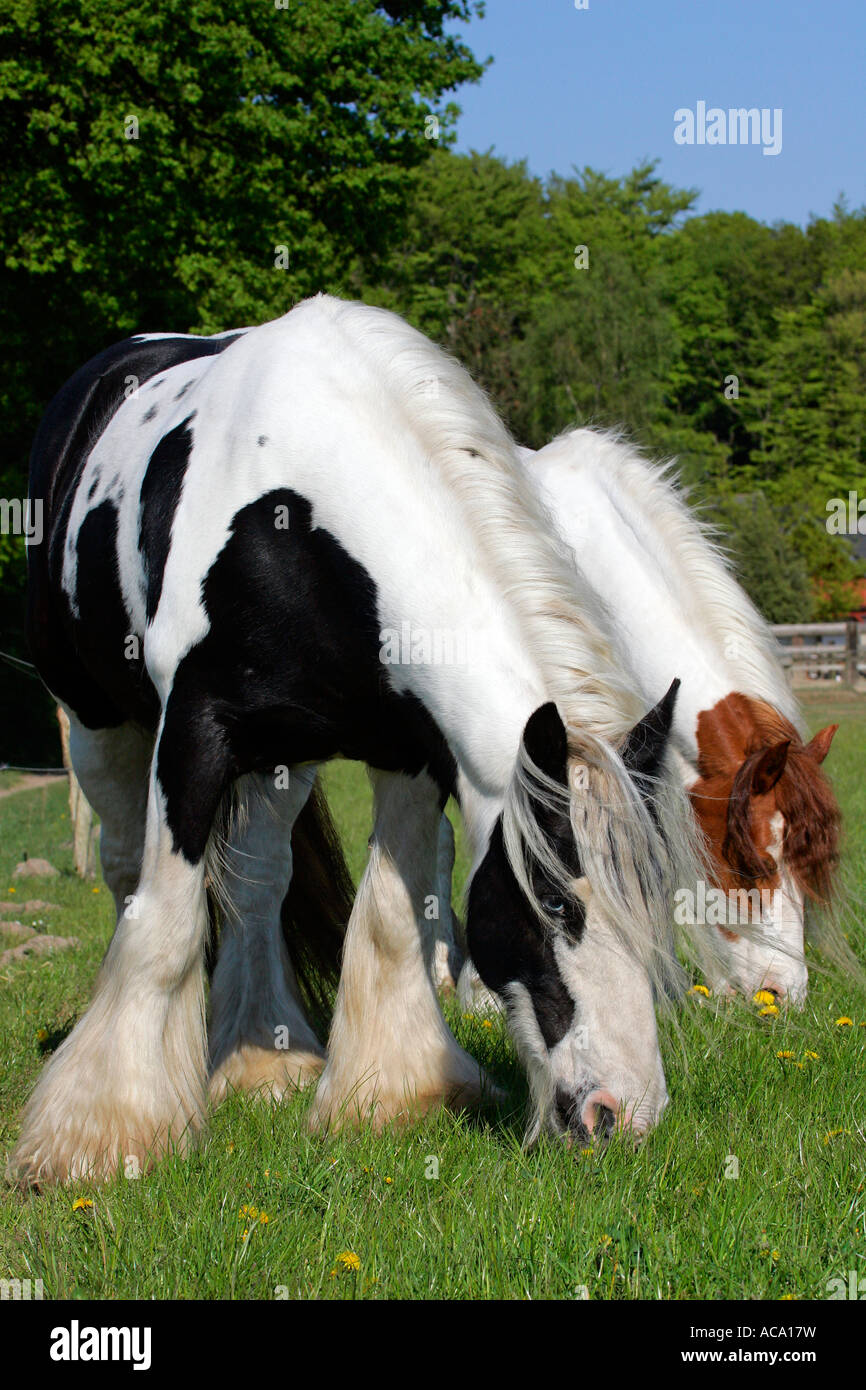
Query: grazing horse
{"x":236,"y":529}
{"x":766,"y":809}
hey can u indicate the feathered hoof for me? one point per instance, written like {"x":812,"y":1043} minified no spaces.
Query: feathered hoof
{"x":264,"y":1072}
{"x":368,"y":1103}
{"x":95,"y":1145}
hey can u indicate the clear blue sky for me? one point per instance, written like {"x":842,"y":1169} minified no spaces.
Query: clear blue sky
{"x":600,"y":87}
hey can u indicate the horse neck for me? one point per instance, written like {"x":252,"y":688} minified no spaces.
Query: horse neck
{"x":633,"y":552}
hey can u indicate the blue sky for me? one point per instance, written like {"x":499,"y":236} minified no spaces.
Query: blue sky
{"x":601,"y":86}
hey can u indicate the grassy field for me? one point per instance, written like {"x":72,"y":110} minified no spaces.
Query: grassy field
{"x":453,"y":1208}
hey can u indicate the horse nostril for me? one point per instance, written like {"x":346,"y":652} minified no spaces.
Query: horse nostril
{"x":778,"y":991}
{"x":600,"y":1114}
{"x":605,"y":1123}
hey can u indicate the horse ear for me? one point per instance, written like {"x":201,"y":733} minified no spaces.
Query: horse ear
{"x":769,"y":767}
{"x":546,"y":741}
{"x":819,"y":747}
{"x":645,"y":743}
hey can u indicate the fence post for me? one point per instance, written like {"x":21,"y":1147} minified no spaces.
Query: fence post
{"x":80,"y":814}
{"x":852,"y":645}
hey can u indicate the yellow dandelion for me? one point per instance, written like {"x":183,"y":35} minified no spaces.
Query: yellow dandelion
{"x":485,"y":1023}
{"x":263,"y":1218}
{"x":844,"y":1022}
{"x":42,"y":1035}
{"x":774,"y":1254}
{"x":787,"y":1297}
{"x":389,"y":1181}
{"x":700,"y":989}
{"x":811,"y":1056}
{"x":768,"y":1011}
{"x":11,"y":890}
{"x":834,"y":1133}
{"x":82,"y":1203}
{"x":785,"y":1056}
{"x":800,"y":1065}
{"x":349,"y":1260}
{"x":251,"y":1213}
{"x":94,"y":890}
{"x":763,"y":996}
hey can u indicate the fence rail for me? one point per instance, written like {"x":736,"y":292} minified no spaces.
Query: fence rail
{"x":840,"y":654}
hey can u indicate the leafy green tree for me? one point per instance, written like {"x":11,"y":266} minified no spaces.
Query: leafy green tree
{"x":767,"y":564}
{"x":195,"y":166}
{"x":154,"y":160}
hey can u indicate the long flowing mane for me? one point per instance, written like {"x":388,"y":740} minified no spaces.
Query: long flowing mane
{"x":633,"y":853}
{"x":695,"y":565}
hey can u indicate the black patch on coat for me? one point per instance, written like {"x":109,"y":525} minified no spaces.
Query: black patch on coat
{"x":160,"y":494}
{"x":150,"y":414}
{"x":508,"y":943}
{"x":288,"y":673}
{"x":102,"y":628}
{"x":73,"y":422}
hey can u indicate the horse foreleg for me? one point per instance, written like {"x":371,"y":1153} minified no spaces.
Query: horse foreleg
{"x":128,"y":1084}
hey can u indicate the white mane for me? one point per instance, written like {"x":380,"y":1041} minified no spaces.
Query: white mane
{"x":696,"y":568}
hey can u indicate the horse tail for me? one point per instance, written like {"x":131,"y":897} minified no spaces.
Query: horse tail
{"x":316,"y":908}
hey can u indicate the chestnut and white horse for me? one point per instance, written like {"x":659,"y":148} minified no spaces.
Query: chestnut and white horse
{"x":759,"y":795}
{"x":236,"y":529}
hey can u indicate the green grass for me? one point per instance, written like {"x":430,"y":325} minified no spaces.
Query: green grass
{"x":661,"y":1222}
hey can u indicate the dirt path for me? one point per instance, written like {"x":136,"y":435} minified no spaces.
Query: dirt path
{"x":30,"y":780}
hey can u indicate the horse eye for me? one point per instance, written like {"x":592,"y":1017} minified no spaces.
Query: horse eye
{"x":555,"y":906}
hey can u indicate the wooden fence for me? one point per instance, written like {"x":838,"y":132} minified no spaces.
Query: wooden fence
{"x":824,"y":651}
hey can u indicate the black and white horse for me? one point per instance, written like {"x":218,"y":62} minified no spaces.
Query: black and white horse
{"x":253,"y":544}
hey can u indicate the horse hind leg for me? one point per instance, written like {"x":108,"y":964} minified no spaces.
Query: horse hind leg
{"x":390,"y":1053}
{"x":260,"y":1039}
{"x":128,"y":1084}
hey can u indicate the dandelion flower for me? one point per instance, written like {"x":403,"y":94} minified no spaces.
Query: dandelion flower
{"x":768,"y":1011}
{"x":94,"y":890}
{"x":81,"y":1203}
{"x":763,"y":996}
{"x":42,"y":1035}
{"x":811,"y":1056}
{"x":844,"y":1022}
{"x":485,"y":1023}
{"x":349,"y":1260}
{"x":787,"y":1297}
{"x":833,"y":1133}
{"x":700,"y":989}
{"x":389,"y":1181}
{"x":785,"y":1056}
